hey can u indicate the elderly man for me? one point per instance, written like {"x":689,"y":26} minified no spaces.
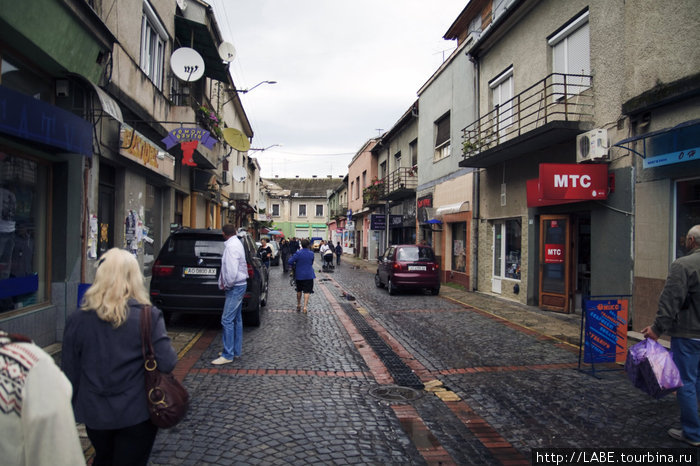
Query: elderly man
{"x":679,"y":316}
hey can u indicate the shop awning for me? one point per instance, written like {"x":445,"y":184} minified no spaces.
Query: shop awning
{"x":666,"y":144}
{"x":109,"y":105}
{"x":452,"y":208}
{"x":198,"y":36}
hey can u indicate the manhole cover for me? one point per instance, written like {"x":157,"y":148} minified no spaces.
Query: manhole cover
{"x":395,"y":393}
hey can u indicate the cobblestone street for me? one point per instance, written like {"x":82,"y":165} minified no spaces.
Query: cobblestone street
{"x":307,"y":389}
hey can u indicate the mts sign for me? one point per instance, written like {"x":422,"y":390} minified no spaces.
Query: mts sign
{"x":553,"y":253}
{"x":573,"y":181}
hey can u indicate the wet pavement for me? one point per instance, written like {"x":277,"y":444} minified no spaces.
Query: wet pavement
{"x":485,"y":383}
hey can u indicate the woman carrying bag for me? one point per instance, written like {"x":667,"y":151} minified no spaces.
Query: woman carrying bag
{"x":103,"y":359}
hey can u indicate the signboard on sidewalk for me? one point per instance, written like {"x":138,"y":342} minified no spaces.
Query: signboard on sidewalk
{"x":606,"y":331}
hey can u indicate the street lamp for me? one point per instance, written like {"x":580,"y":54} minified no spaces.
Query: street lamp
{"x":262,"y":149}
{"x":245,"y":91}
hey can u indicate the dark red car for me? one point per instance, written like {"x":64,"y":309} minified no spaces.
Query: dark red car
{"x":408,"y":266}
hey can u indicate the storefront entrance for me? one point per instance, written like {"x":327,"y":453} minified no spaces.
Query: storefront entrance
{"x":564,"y":261}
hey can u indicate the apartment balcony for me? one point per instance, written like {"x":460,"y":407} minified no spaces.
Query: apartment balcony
{"x":373,"y":195}
{"x":339,"y":212}
{"x":549,"y":112}
{"x":400,"y":184}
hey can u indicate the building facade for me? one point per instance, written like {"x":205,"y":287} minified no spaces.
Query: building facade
{"x":153,"y":152}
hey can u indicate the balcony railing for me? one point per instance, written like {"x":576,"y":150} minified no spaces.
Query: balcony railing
{"x":557,"y":97}
{"x":340,"y":211}
{"x":400,"y":183}
{"x":373,"y":195}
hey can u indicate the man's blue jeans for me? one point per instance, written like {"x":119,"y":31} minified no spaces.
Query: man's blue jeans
{"x":686,"y":355}
{"x":232,"y":322}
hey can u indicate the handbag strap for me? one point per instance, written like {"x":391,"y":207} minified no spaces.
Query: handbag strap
{"x":146,"y":343}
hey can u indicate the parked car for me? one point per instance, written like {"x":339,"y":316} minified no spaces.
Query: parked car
{"x":408,"y":265}
{"x":186,"y":272}
{"x":316,"y":244}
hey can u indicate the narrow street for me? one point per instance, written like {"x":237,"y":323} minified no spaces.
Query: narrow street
{"x":323,"y":388}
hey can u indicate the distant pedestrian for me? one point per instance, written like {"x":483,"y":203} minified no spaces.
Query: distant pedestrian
{"x":679,"y":316}
{"x":284,"y":252}
{"x":293,"y":245}
{"x":36,"y":418}
{"x":265,"y":252}
{"x":338,"y":253}
{"x":233,"y":280}
{"x":102,"y":357}
{"x":303,"y":263}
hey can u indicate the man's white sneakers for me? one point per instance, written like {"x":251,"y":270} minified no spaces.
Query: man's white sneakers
{"x":221,"y":360}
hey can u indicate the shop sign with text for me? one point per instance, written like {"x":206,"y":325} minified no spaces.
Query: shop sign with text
{"x":560,"y":183}
{"x":133,"y":145}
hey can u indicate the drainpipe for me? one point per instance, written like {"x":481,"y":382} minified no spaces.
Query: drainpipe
{"x":476,"y":211}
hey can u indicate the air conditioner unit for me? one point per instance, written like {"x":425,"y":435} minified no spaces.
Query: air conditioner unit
{"x":592,"y":146}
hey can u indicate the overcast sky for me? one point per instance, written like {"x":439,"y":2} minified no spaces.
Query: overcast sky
{"x":345,"y":71}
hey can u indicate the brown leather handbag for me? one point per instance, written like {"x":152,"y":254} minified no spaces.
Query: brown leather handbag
{"x":167,"y":399}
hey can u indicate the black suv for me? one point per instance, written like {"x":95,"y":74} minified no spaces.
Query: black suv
{"x":186,"y":272}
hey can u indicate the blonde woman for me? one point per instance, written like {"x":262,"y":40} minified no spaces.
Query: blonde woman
{"x":102,"y":358}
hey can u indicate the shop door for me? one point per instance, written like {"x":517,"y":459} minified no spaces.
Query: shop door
{"x":555,"y":262}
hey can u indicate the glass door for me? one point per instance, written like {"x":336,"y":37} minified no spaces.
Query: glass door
{"x":555,"y":261}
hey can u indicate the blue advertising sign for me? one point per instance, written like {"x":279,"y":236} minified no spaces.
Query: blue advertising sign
{"x":606,"y":331}
{"x":377,"y":222}
{"x":38,"y":121}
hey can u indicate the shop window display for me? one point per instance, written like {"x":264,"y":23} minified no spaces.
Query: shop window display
{"x":22,"y":232}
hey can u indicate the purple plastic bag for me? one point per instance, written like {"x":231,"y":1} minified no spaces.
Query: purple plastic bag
{"x":650,"y":367}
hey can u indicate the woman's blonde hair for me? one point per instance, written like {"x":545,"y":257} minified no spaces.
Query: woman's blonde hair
{"x":117,"y":279}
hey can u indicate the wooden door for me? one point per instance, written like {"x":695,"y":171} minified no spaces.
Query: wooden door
{"x":555,"y":262}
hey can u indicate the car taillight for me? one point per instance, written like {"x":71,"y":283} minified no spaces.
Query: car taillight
{"x":160,"y":270}
{"x":436,"y":266}
{"x":397,"y":267}
{"x":251,"y":271}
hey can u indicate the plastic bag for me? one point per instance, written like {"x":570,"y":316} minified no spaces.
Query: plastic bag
{"x":650,"y":367}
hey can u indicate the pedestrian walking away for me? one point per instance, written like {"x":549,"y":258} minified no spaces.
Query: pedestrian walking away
{"x":102,"y":357}
{"x":293,"y":245}
{"x":338,"y":253}
{"x":284,"y":252}
{"x":36,"y":417}
{"x":303,"y":263}
{"x":265,"y":252}
{"x":232,"y":279}
{"x":679,"y":315}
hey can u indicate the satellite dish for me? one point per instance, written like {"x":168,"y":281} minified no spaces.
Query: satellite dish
{"x":239,"y":174}
{"x":227,"y":52}
{"x":187,"y":64}
{"x":236,"y":139}
{"x":262,"y":204}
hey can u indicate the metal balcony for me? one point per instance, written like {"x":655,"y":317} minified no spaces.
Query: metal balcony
{"x":549,"y":112}
{"x":400,"y":183}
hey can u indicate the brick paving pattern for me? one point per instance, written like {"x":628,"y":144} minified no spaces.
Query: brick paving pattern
{"x":305,"y":389}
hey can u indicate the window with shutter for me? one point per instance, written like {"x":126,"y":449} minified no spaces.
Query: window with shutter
{"x":442,"y":137}
{"x":502,"y":95}
{"x":571,"y":57}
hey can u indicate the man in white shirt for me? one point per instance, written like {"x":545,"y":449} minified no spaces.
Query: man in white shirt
{"x":232,"y":279}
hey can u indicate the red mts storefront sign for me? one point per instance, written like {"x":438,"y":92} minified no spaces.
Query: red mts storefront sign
{"x":581,"y":182}
{"x":553,"y":253}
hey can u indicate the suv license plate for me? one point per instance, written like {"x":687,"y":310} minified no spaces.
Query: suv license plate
{"x":412,"y":268}
{"x":200,"y":271}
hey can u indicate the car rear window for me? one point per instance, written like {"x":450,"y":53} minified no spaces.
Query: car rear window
{"x":197,"y":247}
{"x":417,"y":253}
